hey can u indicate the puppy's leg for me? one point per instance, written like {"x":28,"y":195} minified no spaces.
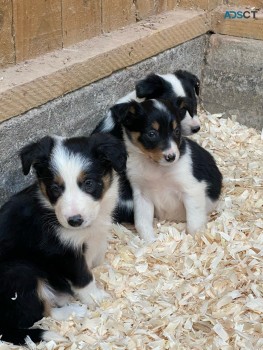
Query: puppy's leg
{"x":195,"y":206}
{"x":91,"y":294}
{"x":143,"y":216}
{"x":63,"y":313}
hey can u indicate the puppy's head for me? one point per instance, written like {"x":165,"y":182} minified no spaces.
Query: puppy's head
{"x":74,"y":174}
{"x":152,"y":128}
{"x":170,"y":87}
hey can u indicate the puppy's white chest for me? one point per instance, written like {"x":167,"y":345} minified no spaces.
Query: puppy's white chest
{"x":160,"y":186}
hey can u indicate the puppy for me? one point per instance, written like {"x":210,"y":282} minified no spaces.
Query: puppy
{"x":177,"y":87}
{"x":55,"y":231}
{"x":168,"y":87}
{"x":171,"y":176}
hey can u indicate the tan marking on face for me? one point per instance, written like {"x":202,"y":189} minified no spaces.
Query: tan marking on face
{"x":174,"y":124}
{"x":154,"y":154}
{"x":132,"y":110}
{"x":156,"y":125}
{"x":107,"y":180}
{"x":81,"y":177}
{"x":43,"y":189}
{"x":58,"y":180}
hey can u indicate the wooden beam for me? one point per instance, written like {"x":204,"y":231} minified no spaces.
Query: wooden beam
{"x":37,"y":27}
{"x":81,"y":20}
{"x":27,"y":86}
{"x":246,"y":28}
{"x":7,"y":50}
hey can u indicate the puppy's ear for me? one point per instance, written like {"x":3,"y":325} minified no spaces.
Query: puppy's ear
{"x":127,"y":113}
{"x":185,"y":104}
{"x":110,"y":151}
{"x":35,"y":152}
{"x":191,"y":77}
{"x":150,"y":87}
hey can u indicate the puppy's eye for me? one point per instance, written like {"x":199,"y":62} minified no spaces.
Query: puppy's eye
{"x":177,"y":132}
{"x":56,"y":189}
{"x":89,"y":185}
{"x":152,"y":134}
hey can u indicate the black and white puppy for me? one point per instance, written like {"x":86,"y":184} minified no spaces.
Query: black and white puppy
{"x":171,"y":176}
{"x":167,"y":87}
{"x":176,"y":87}
{"x":55,"y":231}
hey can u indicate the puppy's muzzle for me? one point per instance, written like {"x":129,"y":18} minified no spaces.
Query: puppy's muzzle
{"x":170,"y":157}
{"x":75,"y":221}
{"x":195,"y":129}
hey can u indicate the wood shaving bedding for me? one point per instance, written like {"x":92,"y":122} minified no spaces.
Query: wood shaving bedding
{"x":182,"y":292}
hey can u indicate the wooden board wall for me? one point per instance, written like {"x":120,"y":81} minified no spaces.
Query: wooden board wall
{"x":30,"y":28}
{"x":117,"y":14}
{"x":7,"y":49}
{"x":81,"y":20}
{"x":37,"y":27}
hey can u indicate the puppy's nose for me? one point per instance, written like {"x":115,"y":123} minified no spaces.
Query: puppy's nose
{"x":195,"y":129}
{"x":170,"y":157}
{"x":75,"y":220}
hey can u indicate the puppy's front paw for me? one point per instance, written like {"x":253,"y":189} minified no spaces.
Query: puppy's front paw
{"x":65,"y":312}
{"x":192,"y":229}
{"x":92,"y":295}
{"x":147,"y":235}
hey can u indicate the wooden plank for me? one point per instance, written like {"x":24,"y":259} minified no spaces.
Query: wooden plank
{"x":45,"y":78}
{"x":246,"y":3}
{"x":246,"y":28}
{"x":145,"y":8}
{"x":117,"y":14}
{"x":7,"y":50}
{"x":81,"y":20}
{"x":202,"y":4}
{"x":37,"y":27}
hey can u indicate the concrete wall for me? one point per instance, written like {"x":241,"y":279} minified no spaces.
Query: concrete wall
{"x":233,"y":78}
{"x":77,"y":113}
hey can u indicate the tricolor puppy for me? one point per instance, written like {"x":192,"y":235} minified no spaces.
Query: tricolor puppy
{"x":172,"y":177}
{"x":55,"y":231}
{"x":167,"y":87}
{"x":181,"y":85}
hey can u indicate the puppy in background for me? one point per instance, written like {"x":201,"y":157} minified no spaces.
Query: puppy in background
{"x":55,"y":231}
{"x":171,"y":176}
{"x":167,"y":87}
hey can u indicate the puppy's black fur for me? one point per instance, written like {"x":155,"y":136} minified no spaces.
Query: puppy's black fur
{"x":33,"y":250}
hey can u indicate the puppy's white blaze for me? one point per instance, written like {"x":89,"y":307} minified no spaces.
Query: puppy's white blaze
{"x":73,"y":200}
{"x":195,"y":121}
{"x":175,"y":82}
{"x":95,"y":235}
{"x":160,"y":106}
{"x":108,"y":123}
{"x":186,"y":125}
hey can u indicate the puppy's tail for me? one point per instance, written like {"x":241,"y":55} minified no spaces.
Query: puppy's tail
{"x":18,"y":336}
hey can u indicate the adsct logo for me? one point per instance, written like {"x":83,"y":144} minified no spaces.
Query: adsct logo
{"x":240,"y":14}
